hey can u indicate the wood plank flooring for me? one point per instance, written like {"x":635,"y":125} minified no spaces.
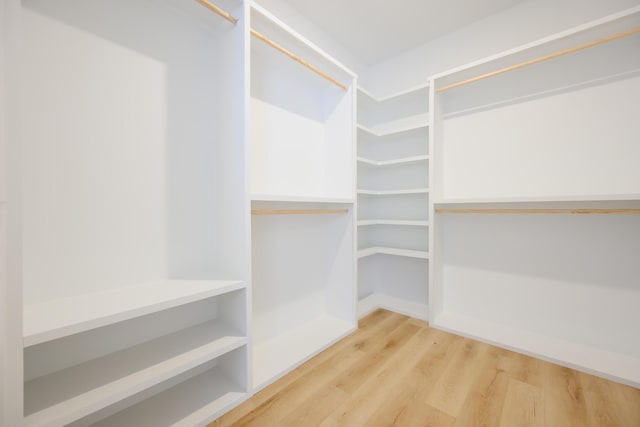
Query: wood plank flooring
{"x":396,"y":371}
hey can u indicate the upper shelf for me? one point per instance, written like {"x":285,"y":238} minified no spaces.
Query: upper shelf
{"x":598,"y":50}
{"x":392,"y":96}
{"x":401,"y":125}
{"x":54,"y":319}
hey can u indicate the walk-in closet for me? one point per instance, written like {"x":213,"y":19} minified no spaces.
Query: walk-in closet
{"x":197,"y":197}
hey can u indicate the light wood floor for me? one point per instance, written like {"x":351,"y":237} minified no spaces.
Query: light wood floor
{"x":396,"y":371}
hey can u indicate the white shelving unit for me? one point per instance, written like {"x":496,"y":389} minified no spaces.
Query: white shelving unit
{"x":520,"y":267}
{"x":101,"y":382}
{"x":134,"y":230}
{"x":302,"y":160}
{"x":393,"y":221}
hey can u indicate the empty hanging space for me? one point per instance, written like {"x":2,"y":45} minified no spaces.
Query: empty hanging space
{"x":301,"y":117}
{"x":303,"y":296}
{"x":393,"y":202}
{"x":538,"y":189}
{"x":134,"y":220}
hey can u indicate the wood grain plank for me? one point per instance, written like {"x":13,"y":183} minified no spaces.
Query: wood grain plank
{"x":564,"y":397}
{"x":484,"y":403}
{"x":376,"y":357}
{"x":610,"y":404}
{"x":523,"y":405}
{"x":450,"y":391}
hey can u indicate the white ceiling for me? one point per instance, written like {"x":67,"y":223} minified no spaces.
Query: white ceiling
{"x":374,"y":30}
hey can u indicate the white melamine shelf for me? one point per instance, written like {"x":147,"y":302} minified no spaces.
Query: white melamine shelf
{"x":274,"y":358}
{"x":568,"y":202}
{"x":417,"y":121}
{"x":54,"y":319}
{"x":204,"y":398}
{"x":576,"y":36}
{"x":68,"y":395}
{"x":614,"y":366}
{"x":393,"y":95}
{"x":375,"y":301}
{"x":413,"y":223}
{"x":394,"y":162}
{"x":301,"y":199}
{"x":393,"y":192}
{"x":374,"y":250}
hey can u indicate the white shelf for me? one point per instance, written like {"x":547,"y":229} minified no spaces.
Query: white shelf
{"x":274,"y":358}
{"x":366,"y":222}
{"x":614,"y":366}
{"x":393,"y":192}
{"x":417,"y":121}
{"x":374,"y":250}
{"x":301,"y":199}
{"x":394,"y":162}
{"x":204,"y":397}
{"x":568,"y":202}
{"x":398,"y":305}
{"x":62,"y":317}
{"x":68,"y":395}
{"x":392,"y":95}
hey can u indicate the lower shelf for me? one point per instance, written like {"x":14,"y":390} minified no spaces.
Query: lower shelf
{"x":68,"y":395}
{"x":376,"y":301}
{"x":392,"y":251}
{"x":194,"y":402}
{"x":274,"y":358}
{"x":617,"y":367}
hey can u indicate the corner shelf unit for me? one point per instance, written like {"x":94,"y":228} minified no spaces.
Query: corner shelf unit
{"x":538,"y":238}
{"x":393,"y":221}
{"x":301,"y":163}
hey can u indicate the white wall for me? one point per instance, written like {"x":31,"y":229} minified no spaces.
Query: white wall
{"x":518,"y":25}
{"x":559,"y":150}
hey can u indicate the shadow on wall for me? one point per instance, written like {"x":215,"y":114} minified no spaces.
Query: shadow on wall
{"x":127,"y":93}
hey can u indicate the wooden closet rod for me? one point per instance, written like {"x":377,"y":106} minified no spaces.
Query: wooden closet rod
{"x":538,"y":211}
{"x":297,"y":211}
{"x":297,"y":58}
{"x":542,"y":59}
{"x":212,"y":7}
